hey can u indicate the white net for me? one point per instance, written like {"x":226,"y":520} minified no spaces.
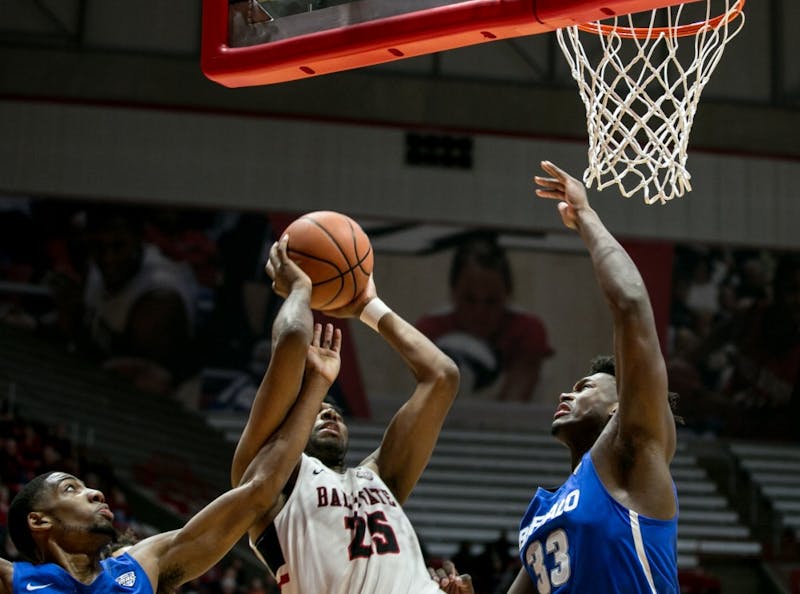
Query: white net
{"x":641,"y":93}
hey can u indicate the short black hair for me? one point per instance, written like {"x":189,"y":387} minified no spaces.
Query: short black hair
{"x":26,"y":501}
{"x":486,"y":252}
{"x":607,"y":364}
{"x":603,"y":364}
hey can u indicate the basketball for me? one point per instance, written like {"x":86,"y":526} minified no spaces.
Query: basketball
{"x":333,"y":250}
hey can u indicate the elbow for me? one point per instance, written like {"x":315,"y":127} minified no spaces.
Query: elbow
{"x":446,"y":376}
{"x":262,"y":492}
{"x":295,"y":331}
{"x":631,"y":299}
{"x":263,"y":489}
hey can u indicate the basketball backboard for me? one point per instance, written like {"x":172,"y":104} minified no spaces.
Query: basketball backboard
{"x":257,"y":42}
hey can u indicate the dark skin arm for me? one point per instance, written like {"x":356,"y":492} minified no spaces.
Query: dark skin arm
{"x":174,"y":558}
{"x":292,"y":333}
{"x":322,"y":367}
{"x":634,"y":451}
{"x":413,"y":431}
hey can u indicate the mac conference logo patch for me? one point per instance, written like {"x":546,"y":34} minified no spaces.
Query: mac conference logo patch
{"x":127,"y":579}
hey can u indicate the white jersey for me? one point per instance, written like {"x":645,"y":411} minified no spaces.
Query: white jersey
{"x":343,"y":534}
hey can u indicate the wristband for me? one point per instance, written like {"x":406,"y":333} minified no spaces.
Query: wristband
{"x":373,"y":312}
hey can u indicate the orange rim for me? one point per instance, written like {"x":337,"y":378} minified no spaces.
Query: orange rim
{"x":681,"y":31}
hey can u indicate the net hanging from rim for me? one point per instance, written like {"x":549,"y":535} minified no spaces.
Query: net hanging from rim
{"x":641,"y":94}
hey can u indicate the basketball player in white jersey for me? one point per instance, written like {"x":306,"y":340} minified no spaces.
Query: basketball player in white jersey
{"x":337,"y":530}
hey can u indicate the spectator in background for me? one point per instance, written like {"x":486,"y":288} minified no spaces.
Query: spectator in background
{"x":745,"y":365}
{"x":137,"y":309}
{"x":766,"y":353}
{"x":498,"y":348}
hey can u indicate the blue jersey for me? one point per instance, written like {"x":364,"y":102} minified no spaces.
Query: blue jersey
{"x":121,"y":575}
{"x":579,"y":539}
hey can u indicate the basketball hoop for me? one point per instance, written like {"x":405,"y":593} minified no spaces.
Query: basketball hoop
{"x":641,"y":99}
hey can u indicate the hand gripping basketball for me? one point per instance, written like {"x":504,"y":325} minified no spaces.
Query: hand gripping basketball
{"x":336,"y":254}
{"x":285,"y":274}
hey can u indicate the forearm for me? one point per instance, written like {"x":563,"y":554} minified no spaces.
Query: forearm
{"x":216,"y":528}
{"x":423,"y":358}
{"x":616,"y":273}
{"x":292,"y":333}
{"x":273,"y":464}
{"x":295,"y":317}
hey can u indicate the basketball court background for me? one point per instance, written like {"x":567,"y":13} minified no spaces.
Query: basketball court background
{"x":105,"y":100}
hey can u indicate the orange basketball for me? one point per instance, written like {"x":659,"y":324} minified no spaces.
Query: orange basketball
{"x":333,"y":250}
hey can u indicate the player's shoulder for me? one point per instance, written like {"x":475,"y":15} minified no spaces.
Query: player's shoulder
{"x":151,"y":547}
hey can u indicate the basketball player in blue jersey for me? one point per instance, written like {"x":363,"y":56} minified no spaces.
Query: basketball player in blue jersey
{"x":342,"y":530}
{"x":63,"y":527}
{"x":612,"y":526}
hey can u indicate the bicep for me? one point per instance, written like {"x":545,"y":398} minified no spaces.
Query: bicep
{"x":411,"y":436}
{"x":644,"y":411}
{"x":207,"y":537}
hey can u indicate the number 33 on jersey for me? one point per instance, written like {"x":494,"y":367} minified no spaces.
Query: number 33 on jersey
{"x":579,"y":539}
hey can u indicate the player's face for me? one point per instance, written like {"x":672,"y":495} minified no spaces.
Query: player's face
{"x":329,"y":436}
{"x":479,"y":299}
{"x":590,"y":403}
{"x":76,"y":509}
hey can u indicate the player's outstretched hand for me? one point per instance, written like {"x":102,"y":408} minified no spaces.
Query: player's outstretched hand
{"x":449,"y":580}
{"x":323,"y":358}
{"x":562,"y":186}
{"x":286,"y":275}
{"x":356,"y":306}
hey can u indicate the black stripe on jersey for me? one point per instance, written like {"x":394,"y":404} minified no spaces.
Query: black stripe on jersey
{"x":270,"y":549}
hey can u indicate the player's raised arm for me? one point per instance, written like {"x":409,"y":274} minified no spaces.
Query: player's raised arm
{"x":173,"y":559}
{"x":412,"y":433}
{"x":292,"y":333}
{"x":644,"y":414}
{"x":321,"y":369}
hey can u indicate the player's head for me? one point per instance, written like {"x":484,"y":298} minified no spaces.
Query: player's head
{"x":480,"y":284}
{"x":57,"y":506}
{"x":583,"y":412}
{"x":329,"y":436}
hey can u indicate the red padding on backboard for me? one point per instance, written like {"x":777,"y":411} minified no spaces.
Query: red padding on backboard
{"x":415,"y":33}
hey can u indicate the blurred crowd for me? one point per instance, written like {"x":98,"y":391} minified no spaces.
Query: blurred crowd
{"x":176,"y":301}
{"x":163,"y":297}
{"x":734,"y":341}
